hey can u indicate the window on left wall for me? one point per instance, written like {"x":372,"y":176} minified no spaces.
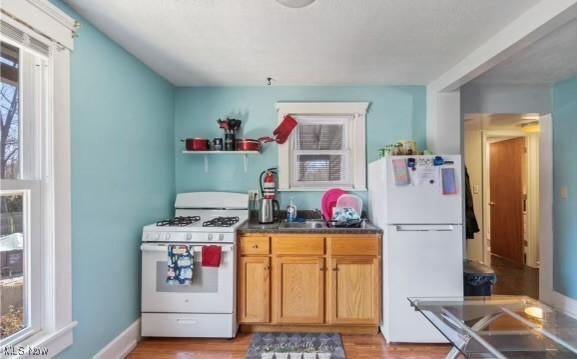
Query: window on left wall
{"x":22,"y":94}
{"x":35,"y":263}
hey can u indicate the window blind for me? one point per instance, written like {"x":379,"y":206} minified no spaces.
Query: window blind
{"x":320,"y":137}
{"x":320,"y":168}
{"x":23,"y":39}
{"x":320,"y":153}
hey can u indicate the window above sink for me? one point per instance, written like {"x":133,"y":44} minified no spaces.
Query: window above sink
{"x":327,"y":149}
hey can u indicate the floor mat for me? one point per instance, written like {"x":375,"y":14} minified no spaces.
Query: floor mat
{"x":311,"y":345}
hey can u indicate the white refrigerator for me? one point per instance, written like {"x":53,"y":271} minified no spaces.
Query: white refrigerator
{"x":420,"y":211}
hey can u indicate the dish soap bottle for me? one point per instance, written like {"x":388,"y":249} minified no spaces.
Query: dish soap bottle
{"x":291,"y":211}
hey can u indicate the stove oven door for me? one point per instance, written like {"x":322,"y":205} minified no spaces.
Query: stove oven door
{"x":211,"y":290}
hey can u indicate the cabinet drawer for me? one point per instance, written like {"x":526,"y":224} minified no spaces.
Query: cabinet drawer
{"x":298,"y":245}
{"x":353,"y":246}
{"x":255,"y":245}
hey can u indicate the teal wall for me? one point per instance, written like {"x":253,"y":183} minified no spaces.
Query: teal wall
{"x":395,"y":113}
{"x":122,"y":178}
{"x":127,"y":165}
{"x":565,"y":174}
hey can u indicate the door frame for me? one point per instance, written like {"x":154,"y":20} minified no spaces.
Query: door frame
{"x":547,"y":293}
{"x":533,"y":209}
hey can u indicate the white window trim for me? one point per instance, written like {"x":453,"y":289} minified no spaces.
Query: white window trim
{"x":41,"y":17}
{"x":358,"y":111}
{"x":44,"y":18}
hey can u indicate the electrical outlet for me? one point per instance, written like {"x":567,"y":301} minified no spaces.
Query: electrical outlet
{"x":564,"y":192}
{"x":476,"y":189}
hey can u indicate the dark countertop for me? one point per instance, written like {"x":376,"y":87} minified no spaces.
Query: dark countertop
{"x":251,"y":227}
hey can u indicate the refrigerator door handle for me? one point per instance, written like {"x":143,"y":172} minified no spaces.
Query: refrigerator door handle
{"x":424,"y":228}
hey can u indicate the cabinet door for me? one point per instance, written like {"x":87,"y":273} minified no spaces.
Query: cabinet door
{"x":354,"y":294}
{"x":254,"y":290}
{"x":298,"y":290}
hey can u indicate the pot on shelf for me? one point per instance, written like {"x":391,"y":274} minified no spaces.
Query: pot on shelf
{"x":249,"y":144}
{"x":196,"y":144}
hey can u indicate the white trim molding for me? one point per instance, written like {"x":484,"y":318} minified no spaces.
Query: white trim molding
{"x":122,"y":345}
{"x":55,"y":13}
{"x":44,"y":18}
{"x":533,"y":209}
{"x":56,"y":341}
{"x":533,"y":199}
{"x":546,"y":214}
{"x":547,"y":293}
{"x":321,"y":108}
{"x":358,"y":111}
{"x":39,"y":16}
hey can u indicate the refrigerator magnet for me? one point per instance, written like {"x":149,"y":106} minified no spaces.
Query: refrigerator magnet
{"x":448,"y":181}
{"x":400,"y":172}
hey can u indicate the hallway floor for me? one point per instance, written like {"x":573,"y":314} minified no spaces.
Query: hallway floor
{"x":515,"y":280}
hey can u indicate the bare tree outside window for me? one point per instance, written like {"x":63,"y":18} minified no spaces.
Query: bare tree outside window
{"x":9,"y":113}
{"x":12,"y":284}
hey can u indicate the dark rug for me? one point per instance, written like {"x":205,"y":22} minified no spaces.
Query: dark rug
{"x":320,"y":343}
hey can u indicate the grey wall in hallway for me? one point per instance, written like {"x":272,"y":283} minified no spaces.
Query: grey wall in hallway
{"x":476,"y":98}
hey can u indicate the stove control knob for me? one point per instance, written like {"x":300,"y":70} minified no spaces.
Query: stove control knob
{"x":210,"y":236}
{"x":220,"y":237}
{"x":156,"y":236}
{"x":167,"y":236}
{"x":189,"y":236}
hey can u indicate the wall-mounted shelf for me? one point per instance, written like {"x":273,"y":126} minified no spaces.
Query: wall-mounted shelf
{"x":207,"y":153}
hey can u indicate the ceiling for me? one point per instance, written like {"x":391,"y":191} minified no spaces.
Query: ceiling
{"x":331,"y":42}
{"x":499,"y":122}
{"x":547,"y":61}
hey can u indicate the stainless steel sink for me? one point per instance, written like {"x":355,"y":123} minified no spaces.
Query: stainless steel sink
{"x":308,"y":224}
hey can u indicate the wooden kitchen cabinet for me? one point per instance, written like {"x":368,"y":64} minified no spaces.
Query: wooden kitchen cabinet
{"x":309,"y":282}
{"x":255,"y":245}
{"x":254,"y":289}
{"x":298,"y":290}
{"x":353,"y":294}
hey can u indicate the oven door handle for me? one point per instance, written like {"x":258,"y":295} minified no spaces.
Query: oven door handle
{"x":164,"y":248}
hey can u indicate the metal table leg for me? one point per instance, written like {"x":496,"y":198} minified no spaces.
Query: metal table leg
{"x":481,"y":324}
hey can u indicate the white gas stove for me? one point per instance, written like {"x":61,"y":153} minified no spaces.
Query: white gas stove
{"x":206,"y":306}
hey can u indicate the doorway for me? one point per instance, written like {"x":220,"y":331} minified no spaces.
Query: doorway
{"x":502,"y":158}
{"x":506,"y":199}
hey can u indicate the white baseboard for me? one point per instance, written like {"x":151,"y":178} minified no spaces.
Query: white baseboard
{"x":123,"y":344}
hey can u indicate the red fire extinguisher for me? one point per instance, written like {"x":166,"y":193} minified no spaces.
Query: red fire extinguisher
{"x":268,"y":183}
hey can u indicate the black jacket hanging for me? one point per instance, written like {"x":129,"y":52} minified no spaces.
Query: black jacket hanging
{"x":471,"y":225}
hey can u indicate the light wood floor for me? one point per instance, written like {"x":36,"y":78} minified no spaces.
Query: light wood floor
{"x":356,"y":347}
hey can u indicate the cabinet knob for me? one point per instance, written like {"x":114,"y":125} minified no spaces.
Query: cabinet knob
{"x":335,"y":269}
{"x":255,"y":246}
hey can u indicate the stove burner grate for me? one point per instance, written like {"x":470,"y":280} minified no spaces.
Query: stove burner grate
{"x":178,"y":221}
{"x":220,"y":222}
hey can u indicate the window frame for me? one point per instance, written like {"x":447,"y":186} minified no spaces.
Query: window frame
{"x":355,"y":137}
{"x":32,"y":75}
{"x":46,"y":23}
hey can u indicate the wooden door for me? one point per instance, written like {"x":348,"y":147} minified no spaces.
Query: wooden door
{"x":506,"y":199}
{"x":298,"y":290}
{"x":254,"y":290}
{"x":354,"y":290}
